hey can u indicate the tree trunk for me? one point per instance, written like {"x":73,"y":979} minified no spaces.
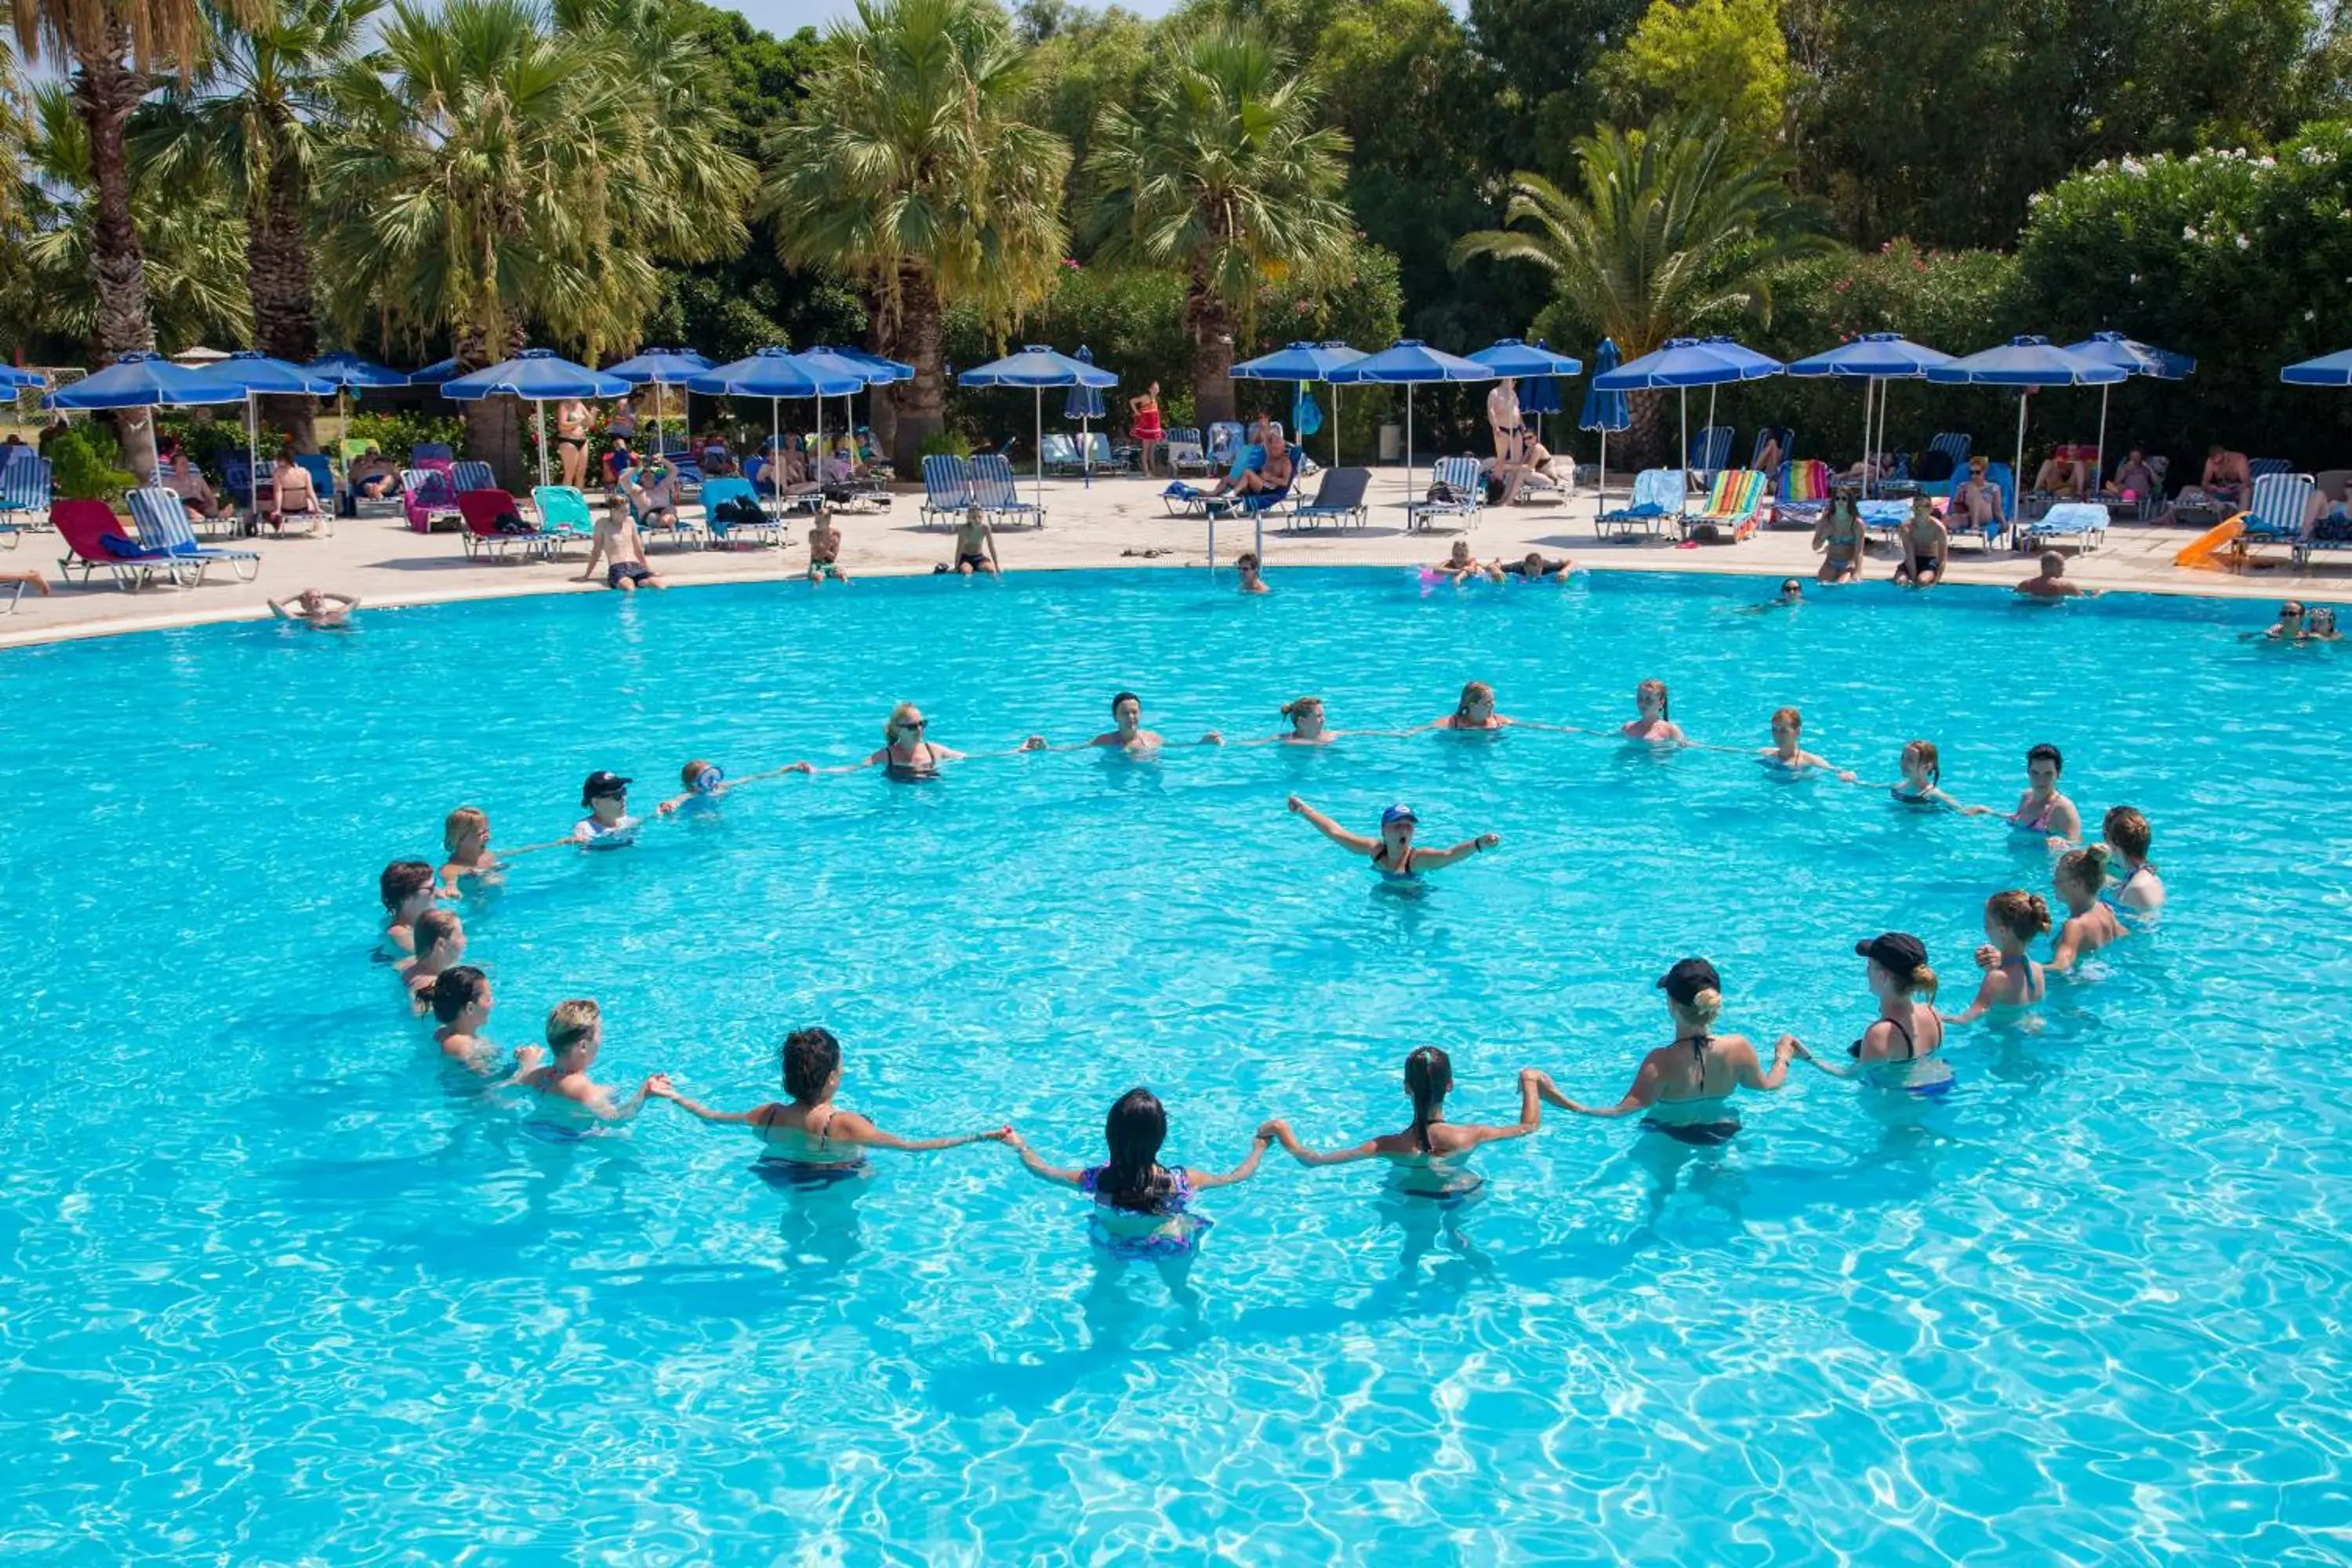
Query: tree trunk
{"x":920,"y":404}
{"x":1213,"y":352}
{"x":105,"y":90}
{"x":1652,"y":433}
{"x":278,"y":279}
{"x":883,"y":339}
{"x":494,"y":426}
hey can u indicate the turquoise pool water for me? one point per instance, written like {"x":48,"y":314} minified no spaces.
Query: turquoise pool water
{"x":271,"y":1288}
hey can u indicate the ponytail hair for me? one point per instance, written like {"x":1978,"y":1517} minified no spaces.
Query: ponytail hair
{"x":1290,"y":709}
{"x":2085,"y":868}
{"x":1928,"y":754}
{"x":2021,"y":914}
{"x":1922,"y":983}
{"x":1428,"y":1074}
{"x":1704,"y":1008}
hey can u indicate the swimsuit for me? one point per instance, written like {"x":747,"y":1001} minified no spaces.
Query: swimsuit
{"x":1401,"y":871}
{"x":785,"y":1172}
{"x":1704,"y":1134}
{"x":2032,"y":980}
{"x":591,"y":834}
{"x":922,"y":763}
{"x":618,"y":570}
{"x":1177,"y":1235}
{"x":976,"y":562}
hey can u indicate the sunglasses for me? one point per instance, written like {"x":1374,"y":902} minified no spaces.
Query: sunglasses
{"x":916,"y":724}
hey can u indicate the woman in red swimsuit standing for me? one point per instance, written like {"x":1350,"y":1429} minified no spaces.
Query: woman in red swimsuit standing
{"x":1149,"y":433}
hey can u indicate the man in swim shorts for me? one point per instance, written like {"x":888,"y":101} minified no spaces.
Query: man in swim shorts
{"x":825,"y":548}
{"x":975,"y":545}
{"x":323,"y":610}
{"x":617,"y":544}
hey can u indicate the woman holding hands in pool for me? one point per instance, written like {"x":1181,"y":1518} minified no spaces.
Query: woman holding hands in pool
{"x":1393,"y":854}
{"x":1427,"y":1159}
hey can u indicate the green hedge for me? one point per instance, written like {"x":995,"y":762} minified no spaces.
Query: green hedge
{"x":2243,"y":259}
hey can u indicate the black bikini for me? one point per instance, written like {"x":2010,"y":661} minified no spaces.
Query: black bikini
{"x":1704,"y":1134}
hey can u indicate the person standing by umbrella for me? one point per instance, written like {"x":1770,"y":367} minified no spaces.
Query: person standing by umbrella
{"x":571,"y":441}
{"x":1149,"y":432}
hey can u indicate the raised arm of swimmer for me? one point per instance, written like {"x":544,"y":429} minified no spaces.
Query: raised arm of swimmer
{"x":1355,"y":843}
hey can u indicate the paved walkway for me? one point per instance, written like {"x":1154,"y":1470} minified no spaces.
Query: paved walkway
{"x":1112,"y":523}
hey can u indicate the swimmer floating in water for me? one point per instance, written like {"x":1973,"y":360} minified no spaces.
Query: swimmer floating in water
{"x":2079,"y":878}
{"x":461,"y":1006}
{"x":407,"y":888}
{"x":2013,"y":980}
{"x":1428,"y":1156}
{"x":575,"y":1034}
{"x":1654,"y":723}
{"x":1473,"y":710}
{"x":1923,"y":781}
{"x":1141,"y":1209}
{"x":2127,"y":832}
{"x":1898,"y":1049}
{"x":2042,"y":808}
{"x":1685,"y":1086}
{"x":810,"y":1135}
{"x":440,"y":946}
{"x":466,"y":840}
{"x":1393,"y":853}
{"x":1787,"y":751}
{"x":323,"y":611}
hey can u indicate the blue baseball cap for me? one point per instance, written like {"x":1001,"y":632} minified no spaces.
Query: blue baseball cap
{"x":1399,"y":812}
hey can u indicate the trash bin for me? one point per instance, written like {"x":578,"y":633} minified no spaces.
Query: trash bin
{"x":1392,"y":443}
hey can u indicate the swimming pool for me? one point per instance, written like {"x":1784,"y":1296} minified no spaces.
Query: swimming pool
{"x":271,"y":1287}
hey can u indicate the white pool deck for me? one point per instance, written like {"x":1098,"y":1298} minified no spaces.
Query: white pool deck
{"x":1109,"y":523}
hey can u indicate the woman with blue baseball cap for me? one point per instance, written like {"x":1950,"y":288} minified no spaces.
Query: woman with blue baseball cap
{"x":1393,"y":854}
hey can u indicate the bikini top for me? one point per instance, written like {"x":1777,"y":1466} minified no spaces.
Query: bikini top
{"x":1910,"y":1047}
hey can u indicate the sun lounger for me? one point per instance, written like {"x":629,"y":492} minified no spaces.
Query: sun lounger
{"x":472,"y":474}
{"x":999,"y":493}
{"x":1062,"y":454}
{"x":731,"y":493}
{"x":483,"y":511}
{"x":23,"y":488}
{"x":162,"y":520}
{"x":1710,"y":448}
{"x":1339,"y":499}
{"x":94,"y":537}
{"x":1804,"y":494}
{"x":1952,"y":444}
{"x":428,"y":497}
{"x":1185,"y":453}
{"x":564,"y":516}
{"x":1103,"y":458}
{"x":2277,"y":512}
{"x":2083,"y":524}
{"x":1732,"y":502}
{"x":946,"y":489}
{"x":1656,"y":503}
{"x":2004,"y":484}
{"x":1457,"y":490}
{"x":436,"y":452}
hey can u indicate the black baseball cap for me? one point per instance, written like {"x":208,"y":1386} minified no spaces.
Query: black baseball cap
{"x":602,"y":782}
{"x":1687,"y":978}
{"x":1898,"y":953}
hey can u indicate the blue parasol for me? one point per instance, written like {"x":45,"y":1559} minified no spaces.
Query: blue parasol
{"x":776,"y":373}
{"x":1409,"y":363}
{"x":1604,"y":410}
{"x":2025,"y":363}
{"x":1037,"y":367}
{"x":535,"y":375}
{"x":1874,"y":357}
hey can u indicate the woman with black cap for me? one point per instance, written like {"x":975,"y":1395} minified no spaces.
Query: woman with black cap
{"x":1685,"y":1087}
{"x":1900,"y":1048}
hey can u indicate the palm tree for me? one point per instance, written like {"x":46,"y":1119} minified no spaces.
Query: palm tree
{"x":494,"y":173}
{"x":188,"y":230}
{"x":911,"y":169}
{"x":110,"y":46}
{"x":1224,"y":172}
{"x":1673,"y":225}
{"x":254,"y":112}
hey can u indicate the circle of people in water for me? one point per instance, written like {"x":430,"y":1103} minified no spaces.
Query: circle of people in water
{"x":1683,"y":1089}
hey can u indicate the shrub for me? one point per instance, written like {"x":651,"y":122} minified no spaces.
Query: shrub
{"x":397,"y":431}
{"x":2242,"y":259}
{"x":80,"y":469}
{"x":948,"y":443}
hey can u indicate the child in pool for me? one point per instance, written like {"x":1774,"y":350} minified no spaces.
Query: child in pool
{"x":1655,"y":724}
{"x":2080,"y":877}
{"x":1787,"y":751}
{"x":608,"y":824}
{"x":811,"y":1134}
{"x":1141,"y":1207}
{"x":407,"y":888}
{"x":1923,"y":780}
{"x":2129,"y":836}
{"x":461,"y":1006}
{"x":2013,"y":980}
{"x":1427,"y":1157}
{"x":575,"y":1034}
{"x":440,"y":946}
{"x":466,"y":840}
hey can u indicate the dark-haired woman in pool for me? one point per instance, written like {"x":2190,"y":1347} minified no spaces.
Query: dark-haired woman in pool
{"x":2042,"y":808}
{"x":1427,"y":1159}
{"x":1684,"y":1088}
{"x":1141,"y":1207}
{"x":809,"y":1139}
